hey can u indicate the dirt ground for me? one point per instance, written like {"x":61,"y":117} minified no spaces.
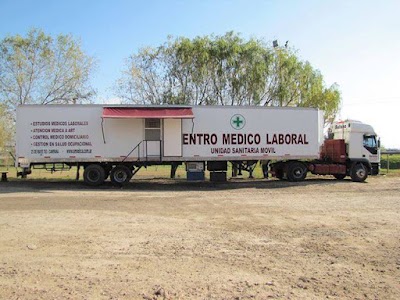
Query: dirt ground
{"x":165,"y":239}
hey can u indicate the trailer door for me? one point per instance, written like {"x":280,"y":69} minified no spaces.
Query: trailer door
{"x":152,"y":136}
{"x":173,"y":137}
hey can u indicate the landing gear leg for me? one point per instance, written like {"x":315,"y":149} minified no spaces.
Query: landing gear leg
{"x":77,"y":171}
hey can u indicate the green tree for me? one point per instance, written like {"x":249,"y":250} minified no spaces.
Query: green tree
{"x":143,"y":80}
{"x":5,"y":127}
{"x":40,"y":69}
{"x":225,"y":70}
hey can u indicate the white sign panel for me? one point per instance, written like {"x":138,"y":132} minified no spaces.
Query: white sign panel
{"x":252,"y":132}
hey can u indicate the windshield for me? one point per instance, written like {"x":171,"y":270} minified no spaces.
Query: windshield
{"x":370,"y":143}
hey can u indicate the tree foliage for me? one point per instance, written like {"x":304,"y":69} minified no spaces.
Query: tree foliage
{"x":40,"y":69}
{"x":5,"y":127}
{"x":224,"y":70}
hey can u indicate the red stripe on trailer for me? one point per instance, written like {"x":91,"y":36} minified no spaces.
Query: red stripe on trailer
{"x":98,"y":156}
{"x":148,"y":112}
{"x":220,"y":155}
{"x":47,"y":157}
{"x":72,"y":157}
{"x":243,"y":155}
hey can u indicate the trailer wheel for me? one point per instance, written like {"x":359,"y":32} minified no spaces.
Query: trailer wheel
{"x":94,"y":175}
{"x":279,"y":174}
{"x":339,"y":176}
{"x":120,"y":175}
{"x":358,"y":172}
{"x":296,"y":171}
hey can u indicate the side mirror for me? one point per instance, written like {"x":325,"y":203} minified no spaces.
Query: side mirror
{"x":379,"y":143}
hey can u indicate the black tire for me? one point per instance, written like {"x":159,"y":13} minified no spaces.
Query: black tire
{"x":279,"y":174}
{"x":94,"y":175}
{"x":120,"y":175}
{"x":297,"y":171}
{"x":358,"y":172}
{"x":339,"y":176}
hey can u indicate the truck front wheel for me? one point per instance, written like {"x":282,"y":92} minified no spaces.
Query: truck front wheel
{"x":359,"y":172}
{"x":120,"y":175}
{"x":94,"y":175}
{"x":296,"y":171}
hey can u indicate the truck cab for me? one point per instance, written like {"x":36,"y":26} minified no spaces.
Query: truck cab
{"x":362,"y":143}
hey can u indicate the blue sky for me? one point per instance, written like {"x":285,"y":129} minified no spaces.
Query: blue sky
{"x":353,"y":43}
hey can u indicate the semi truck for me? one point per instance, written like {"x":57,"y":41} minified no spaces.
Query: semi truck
{"x":113,"y":142}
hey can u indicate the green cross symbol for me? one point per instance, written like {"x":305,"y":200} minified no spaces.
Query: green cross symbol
{"x":238,"y":121}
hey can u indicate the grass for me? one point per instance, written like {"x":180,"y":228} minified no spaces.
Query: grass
{"x":394,"y":172}
{"x":394,"y":161}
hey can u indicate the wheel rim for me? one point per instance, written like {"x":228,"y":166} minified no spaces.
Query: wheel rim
{"x":298,"y":173}
{"x":360,"y":173}
{"x":93,"y":176}
{"x":120,"y":176}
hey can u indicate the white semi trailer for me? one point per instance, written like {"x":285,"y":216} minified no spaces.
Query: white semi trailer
{"x":116,"y":141}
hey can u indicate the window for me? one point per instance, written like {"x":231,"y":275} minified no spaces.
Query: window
{"x":153,"y":123}
{"x":369,"y":141}
{"x":152,"y":131}
{"x":370,"y":144}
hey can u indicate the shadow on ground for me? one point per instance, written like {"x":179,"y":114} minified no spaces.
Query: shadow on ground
{"x":157,"y":184}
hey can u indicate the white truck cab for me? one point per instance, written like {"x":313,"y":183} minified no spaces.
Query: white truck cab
{"x":362,"y":142}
